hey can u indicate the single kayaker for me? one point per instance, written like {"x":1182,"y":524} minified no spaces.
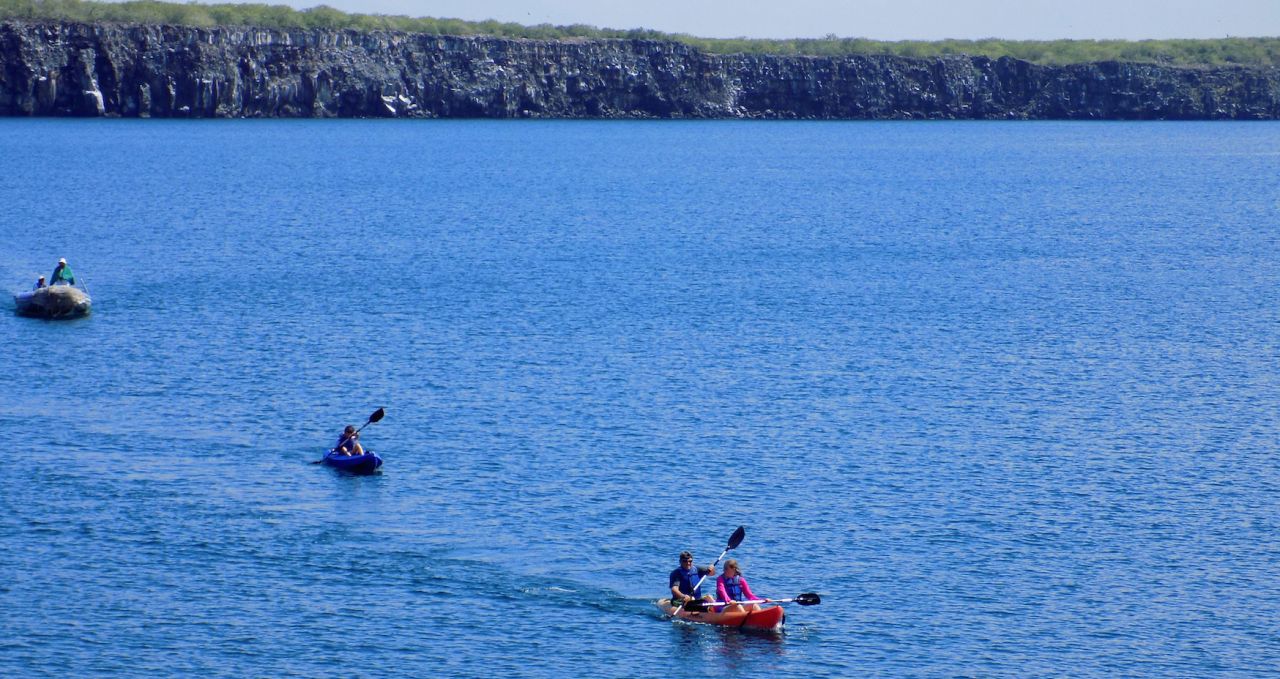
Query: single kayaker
{"x":39,"y":283}
{"x":349,"y":442}
{"x":62,"y":274}
{"x":684,"y":579}
{"x":731,"y":586}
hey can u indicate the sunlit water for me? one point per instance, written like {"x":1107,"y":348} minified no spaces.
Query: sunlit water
{"x":1006,"y":395}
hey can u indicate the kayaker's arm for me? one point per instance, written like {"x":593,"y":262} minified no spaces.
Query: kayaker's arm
{"x":746,"y":591}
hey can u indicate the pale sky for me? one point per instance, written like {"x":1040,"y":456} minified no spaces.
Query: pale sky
{"x":877,"y":19}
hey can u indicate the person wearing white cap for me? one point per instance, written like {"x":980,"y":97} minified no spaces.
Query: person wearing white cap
{"x":62,"y":274}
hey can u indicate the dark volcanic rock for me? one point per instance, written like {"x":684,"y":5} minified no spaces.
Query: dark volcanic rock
{"x":58,"y":69}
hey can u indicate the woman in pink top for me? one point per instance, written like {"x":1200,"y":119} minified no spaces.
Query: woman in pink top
{"x":731,"y":586}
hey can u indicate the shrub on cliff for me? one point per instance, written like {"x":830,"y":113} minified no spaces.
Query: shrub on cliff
{"x":1261,"y":51}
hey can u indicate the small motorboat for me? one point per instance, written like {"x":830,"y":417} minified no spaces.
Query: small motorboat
{"x":367,"y":463}
{"x":54,"y":302}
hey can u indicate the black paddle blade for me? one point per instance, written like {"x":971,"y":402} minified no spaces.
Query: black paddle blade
{"x":808,"y":599}
{"x":736,"y":538}
{"x":377,"y":415}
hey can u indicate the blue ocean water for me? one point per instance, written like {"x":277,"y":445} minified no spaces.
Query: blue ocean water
{"x":1005,"y":394}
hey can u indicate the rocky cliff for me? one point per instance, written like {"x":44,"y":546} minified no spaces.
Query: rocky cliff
{"x":59,"y":69}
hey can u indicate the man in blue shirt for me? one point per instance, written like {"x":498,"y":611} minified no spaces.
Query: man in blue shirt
{"x":349,"y":442}
{"x":684,"y":579}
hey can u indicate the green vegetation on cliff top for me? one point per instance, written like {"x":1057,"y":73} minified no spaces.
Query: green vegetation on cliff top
{"x":1254,"y":51}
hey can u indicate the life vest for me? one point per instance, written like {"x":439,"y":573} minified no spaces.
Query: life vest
{"x":733,"y":587}
{"x":687,"y":579}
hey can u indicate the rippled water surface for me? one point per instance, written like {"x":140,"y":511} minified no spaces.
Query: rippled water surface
{"x":1006,"y":395}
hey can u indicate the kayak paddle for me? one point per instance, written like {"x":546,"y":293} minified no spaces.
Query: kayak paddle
{"x":806,"y":599}
{"x":734,"y":541}
{"x":377,"y":415}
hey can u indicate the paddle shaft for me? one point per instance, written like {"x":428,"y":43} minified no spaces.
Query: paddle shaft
{"x":748,"y":602}
{"x":806,"y":599}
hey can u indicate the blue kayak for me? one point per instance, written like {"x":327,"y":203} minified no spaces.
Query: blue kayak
{"x":354,"y":464}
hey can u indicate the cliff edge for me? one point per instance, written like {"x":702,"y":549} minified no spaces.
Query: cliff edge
{"x":68,"y":69}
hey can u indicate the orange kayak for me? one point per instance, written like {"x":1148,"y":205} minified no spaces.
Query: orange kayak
{"x":763,"y":617}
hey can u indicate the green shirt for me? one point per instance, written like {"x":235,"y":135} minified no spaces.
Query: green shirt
{"x":62,"y":274}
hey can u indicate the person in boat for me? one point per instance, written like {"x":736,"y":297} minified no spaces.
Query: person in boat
{"x":39,"y":283}
{"x":731,"y":586}
{"x":349,"y":442}
{"x":684,"y":580}
{"x":62,"y":274}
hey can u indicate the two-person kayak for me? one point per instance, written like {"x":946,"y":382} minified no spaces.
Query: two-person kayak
{"x":759,"y":617}
{"x":737,"y":605}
